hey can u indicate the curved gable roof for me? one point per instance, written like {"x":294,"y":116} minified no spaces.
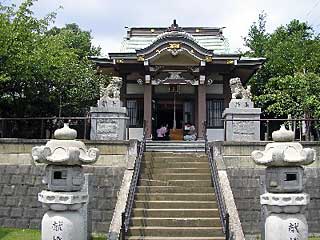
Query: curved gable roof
{"x":175,"y":41}
{"x":208,"y":38}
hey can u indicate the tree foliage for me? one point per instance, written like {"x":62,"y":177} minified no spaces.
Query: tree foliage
{"x":289,"y":81}
{"x":297,"y":95}
{"x":76,"y":39}
{"x":44,"y":72}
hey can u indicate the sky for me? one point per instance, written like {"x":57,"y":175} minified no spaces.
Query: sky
{"x":107,"y":19}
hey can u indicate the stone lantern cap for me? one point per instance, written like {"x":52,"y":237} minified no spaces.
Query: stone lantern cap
{"x":65,"y":150}
{"x":284,"y":152}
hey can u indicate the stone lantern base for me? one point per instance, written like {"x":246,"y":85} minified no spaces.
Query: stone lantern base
{"x":286,"y":226}
{"x":63,"y":226}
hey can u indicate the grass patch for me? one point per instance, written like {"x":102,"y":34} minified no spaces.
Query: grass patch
{"x":309,"y":238}
{"x":30,"y":234}
{"x":19,"y":234}
{"x":96,"y":236}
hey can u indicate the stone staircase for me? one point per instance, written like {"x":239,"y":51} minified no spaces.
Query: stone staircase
{"x":175,"y":146}
{"x":175,"y":199}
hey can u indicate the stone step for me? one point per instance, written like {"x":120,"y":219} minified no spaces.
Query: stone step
{"x":176,"y":143}
{"x":175,"y":170}
{"x":174,"y":189}
{"x":176,"y":159}
{"x":175,"y":196}
{"x":175,"y":213}
{"x":175,"y":204}
{"x":173,"y":141}
{"x":175,"y":176}
{"x":176,"y":150}
{"x":175,"y":231}
{"x":176,"y":222}
{"x":173,"y":238}
{"x":167,"y":147}
{"x":180,"y":145}
{"x":177,"y":146}
{"x":172,"y":154}
{"x":149,"y":164}
{"x":177,"y":182}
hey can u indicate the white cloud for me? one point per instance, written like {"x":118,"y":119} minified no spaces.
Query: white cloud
{"x":107,"y":18}
{"x":107,"y":44}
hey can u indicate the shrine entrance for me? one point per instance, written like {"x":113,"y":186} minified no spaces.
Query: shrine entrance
{"x":165,"y":114}
{"x":175,"y":109}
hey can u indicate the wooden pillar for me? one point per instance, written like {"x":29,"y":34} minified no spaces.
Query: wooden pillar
{"x":196,"y":108}
{"x":226,"y":90}
{"x":147,"y":108}
{"x":123,"y":92}
{"x":201,"y":107}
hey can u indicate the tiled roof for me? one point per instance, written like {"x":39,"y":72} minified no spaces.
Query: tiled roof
{"x":209,"y":38}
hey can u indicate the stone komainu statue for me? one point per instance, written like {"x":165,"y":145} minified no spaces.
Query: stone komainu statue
{"x":112,"y":91}
{"x":238,"y":91}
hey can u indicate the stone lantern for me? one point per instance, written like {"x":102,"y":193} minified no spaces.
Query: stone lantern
{"x":284,"y":199}
{"x":64,"y":178}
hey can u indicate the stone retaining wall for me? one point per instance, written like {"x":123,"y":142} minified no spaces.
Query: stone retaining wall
{"x":20,"y":185}
{"x":244,"y":177}
{"x":20,"y":182}
{"x":245,"y":184}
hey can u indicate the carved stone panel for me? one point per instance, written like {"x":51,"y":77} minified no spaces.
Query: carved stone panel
{"x":242,"y":124}
{"x":108,"y":123}
{"x":109,"y":128}
{"x":243,"y":129}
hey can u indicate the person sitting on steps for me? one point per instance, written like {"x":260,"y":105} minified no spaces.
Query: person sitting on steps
{"x":161,"y":132}
{"x":191,"y":133}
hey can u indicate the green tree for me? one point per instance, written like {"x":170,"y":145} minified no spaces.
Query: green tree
{"x":76,"y":39}
{"x":44,"y":72}
{"x":257,"y":37}
{"x":288,"y":81}
{"x":298,"y":95}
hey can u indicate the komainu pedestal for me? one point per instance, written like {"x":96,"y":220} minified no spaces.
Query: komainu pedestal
{"x":64,"y":177}
{"x":284,"y":199}
{"x":241,"y":108}
{"x":109,"y":118}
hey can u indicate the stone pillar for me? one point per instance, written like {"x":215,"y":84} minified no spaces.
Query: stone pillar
{"x":64,"y":198}
{"x":241,"y":107}
{"x":284,"y":201}
{"x":147,"y":108}
{"x":109,"y":118}
{"x":201,"y":107}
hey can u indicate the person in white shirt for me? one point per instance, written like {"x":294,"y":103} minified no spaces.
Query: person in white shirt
{"x":191,"y":135}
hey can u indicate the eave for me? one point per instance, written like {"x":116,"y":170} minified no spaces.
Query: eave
{"x":247,"y":67}
{"x":101,"y":61}
{"x":245,"y":61}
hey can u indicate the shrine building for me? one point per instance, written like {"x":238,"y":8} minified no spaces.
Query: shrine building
{"x":176,"y":75}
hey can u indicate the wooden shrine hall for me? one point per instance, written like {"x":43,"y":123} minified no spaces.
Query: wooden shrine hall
{"x":175,"y":76}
